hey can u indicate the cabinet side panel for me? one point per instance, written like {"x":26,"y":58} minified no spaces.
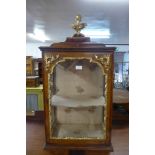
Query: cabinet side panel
{"x":45,"y":98}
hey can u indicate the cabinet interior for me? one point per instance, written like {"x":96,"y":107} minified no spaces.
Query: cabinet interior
{"x":77,"y":100}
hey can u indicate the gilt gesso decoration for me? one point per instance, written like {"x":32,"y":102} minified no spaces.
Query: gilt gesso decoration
{"x":102,"y":61}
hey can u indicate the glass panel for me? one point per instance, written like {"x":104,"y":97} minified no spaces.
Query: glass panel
{"x":78,"y":100}
{"x":121,"y":70}
{"x":118,"y":75}
{"x":121,"y":85}
{"x":125,"y":75}
{"x":31,"y":103}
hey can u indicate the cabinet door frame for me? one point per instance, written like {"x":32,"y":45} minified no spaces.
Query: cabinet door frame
{"x":105,"y":60}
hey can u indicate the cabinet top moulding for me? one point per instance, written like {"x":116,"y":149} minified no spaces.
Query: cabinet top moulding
{"x":74,"y":44}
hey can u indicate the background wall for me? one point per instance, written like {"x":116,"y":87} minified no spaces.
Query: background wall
{"x":33,"y":50}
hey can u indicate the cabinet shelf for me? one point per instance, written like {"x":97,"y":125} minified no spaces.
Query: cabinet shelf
{"x":78,"y":101}
{"x":78,"y":130}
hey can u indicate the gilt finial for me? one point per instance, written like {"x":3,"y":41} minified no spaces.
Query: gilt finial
{"x":78,"y":26}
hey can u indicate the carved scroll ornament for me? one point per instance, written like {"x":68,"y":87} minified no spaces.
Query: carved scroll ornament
{"x":103,"y":61}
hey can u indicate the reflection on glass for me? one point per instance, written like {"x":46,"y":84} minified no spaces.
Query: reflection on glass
{"x":78,"y":100}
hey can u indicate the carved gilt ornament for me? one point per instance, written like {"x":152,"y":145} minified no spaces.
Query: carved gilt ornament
{"x":103,"y":61}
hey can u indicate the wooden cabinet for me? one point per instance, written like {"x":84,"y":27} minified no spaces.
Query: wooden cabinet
{"x":32,"y":81}
{"x":29,"y":65}
{"x":78,"y":81}
{"x":38,"y":69}
{"x":78,"y":90}
{"x":120,"y":106}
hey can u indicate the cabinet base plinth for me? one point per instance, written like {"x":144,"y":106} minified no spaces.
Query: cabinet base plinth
{"x":80,"y":150}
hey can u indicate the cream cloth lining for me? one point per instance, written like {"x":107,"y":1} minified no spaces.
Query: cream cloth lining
{"x":77,"y":101}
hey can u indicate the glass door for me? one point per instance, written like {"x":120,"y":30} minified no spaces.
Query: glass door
{"x":77,"y":100}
